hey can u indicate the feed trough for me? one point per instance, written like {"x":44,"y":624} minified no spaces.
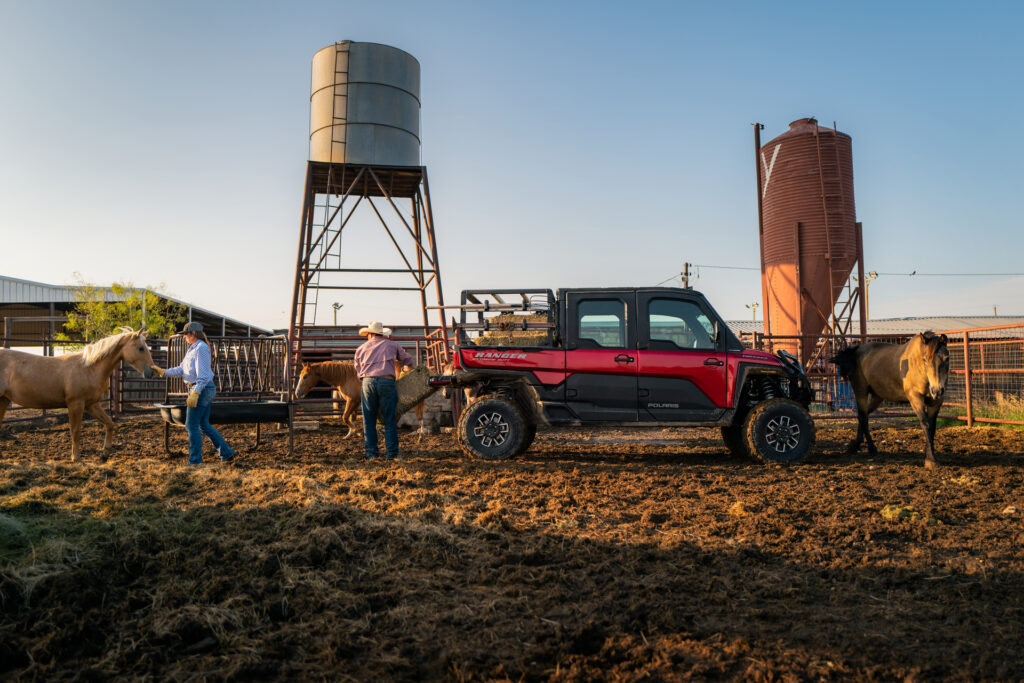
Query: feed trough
{"x":233,"y":412}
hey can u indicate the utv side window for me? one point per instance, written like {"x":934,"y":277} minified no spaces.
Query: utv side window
{"x":602,"y":321}
{"x":682,"y":323}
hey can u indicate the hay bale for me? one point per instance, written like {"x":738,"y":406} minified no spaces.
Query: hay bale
{"x":413,"y":387}
{"x":509,"y":332}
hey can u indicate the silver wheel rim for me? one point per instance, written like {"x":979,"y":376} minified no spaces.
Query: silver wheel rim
{"x":782,"y":434}
{"x":492,"y":430}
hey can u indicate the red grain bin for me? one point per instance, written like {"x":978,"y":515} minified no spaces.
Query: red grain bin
{"x":810,"y":227}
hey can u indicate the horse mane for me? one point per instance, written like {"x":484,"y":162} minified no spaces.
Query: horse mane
{"x":98,"y":350}
{"x":933,"y":340}
{"x":335,"y":372}
{"x":846,"y":360}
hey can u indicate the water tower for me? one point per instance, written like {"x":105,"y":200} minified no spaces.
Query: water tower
{"x":810,"y":240}
{"x":363,"y":173}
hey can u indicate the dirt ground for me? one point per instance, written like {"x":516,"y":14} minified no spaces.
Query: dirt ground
{"x":625,"y":555}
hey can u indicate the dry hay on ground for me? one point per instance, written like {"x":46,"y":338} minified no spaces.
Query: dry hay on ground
{"x":624,"y":554}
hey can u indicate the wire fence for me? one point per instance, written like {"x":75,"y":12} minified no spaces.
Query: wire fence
{"x":985,"y":384}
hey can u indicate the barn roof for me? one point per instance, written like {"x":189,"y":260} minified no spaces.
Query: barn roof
{"x":36,"y":302}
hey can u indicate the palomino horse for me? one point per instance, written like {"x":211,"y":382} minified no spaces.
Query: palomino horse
{"x":75,"y":380}
{"x":342,"y":376}
{"x":914,"y":372}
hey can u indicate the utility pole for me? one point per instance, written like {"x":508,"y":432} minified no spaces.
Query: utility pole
{"x":686,"y":275}
{"x":872,"y":275}
{"x":336,"y":306}
{"x":758,"y":167}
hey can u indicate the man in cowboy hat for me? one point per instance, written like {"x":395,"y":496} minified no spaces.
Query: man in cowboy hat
{"x":375,"y":366}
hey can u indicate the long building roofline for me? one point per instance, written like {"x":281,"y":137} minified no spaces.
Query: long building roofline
{"x":18,"y":291}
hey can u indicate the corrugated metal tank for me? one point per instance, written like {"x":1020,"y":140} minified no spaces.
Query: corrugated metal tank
{"x":365,"y":105}
{"x":807,"y":179}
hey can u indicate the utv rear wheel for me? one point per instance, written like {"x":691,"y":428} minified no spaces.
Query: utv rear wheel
{"x":492,"y":428}
{"x":779,"y":431}
{"x":734,"y":440}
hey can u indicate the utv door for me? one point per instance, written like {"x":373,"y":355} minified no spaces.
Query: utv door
{"x":681,"y":365}
{"x":600,"y":358}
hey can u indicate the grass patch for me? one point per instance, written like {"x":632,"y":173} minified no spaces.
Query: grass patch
{"x":1001,"y":407}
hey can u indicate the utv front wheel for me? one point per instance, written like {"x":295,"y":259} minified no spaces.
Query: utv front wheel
{"x":779,"y":431}
{"x":491,"y":428}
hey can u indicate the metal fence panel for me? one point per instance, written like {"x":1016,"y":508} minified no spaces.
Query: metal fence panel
{"x":985,"y":384}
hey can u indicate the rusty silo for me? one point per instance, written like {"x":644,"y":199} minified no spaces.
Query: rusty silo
{"x":810,"y":239}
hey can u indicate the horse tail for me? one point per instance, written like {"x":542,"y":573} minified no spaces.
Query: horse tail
{"x":846,"y":360}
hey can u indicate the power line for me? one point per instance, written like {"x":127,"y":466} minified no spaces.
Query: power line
{"x":910,"y":274}
{"x":917,"y":274}
{"x":701,"y":265}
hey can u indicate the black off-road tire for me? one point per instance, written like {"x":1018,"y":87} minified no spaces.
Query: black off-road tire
{"x":779,"y":431}
{"x":529,"y":433}
{"x":492,"y":428}
{"x":735,"y":439}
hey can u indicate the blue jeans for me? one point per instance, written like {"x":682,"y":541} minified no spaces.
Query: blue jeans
{"x":380,"y":396}
{"x":197,"y":423}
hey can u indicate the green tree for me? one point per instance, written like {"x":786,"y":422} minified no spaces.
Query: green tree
{"x":93,"y":317}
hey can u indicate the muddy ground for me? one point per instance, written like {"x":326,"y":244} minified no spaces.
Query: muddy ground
{"x":624,"y":555}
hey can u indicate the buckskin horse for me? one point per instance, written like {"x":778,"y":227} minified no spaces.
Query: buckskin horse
{"x":914,"y":373}
{"x":77,"y":381}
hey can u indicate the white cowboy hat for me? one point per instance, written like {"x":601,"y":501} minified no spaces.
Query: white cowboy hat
{"x":374,"y":327}
{"x":387,"y":331}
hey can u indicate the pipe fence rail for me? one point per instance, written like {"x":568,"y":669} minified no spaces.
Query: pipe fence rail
{"x":985,"y":384}
{"x":244,"y":368}
{"x":986,"y":371}
{"x":128,"y":392}
{"x":315,"y":344}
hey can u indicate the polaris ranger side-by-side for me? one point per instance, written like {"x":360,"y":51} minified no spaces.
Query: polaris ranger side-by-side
{"x":655,"y":356}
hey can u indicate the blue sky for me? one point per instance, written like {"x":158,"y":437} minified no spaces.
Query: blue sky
{"x":567,"y":143}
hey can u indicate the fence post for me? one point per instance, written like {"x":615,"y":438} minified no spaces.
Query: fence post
{"x":967,"y":380}
{"x":115,"y":392}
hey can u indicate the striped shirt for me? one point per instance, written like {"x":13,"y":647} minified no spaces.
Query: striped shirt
{"x":195,"y":367}
{"x":376,"y":358}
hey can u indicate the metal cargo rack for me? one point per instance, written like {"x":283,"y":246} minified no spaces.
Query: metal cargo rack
{"x":485,"y":311}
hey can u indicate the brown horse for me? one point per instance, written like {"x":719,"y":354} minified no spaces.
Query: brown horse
{"x":342,"y":376}
{"x":77,"y":381}
{"x":914,"y":372}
